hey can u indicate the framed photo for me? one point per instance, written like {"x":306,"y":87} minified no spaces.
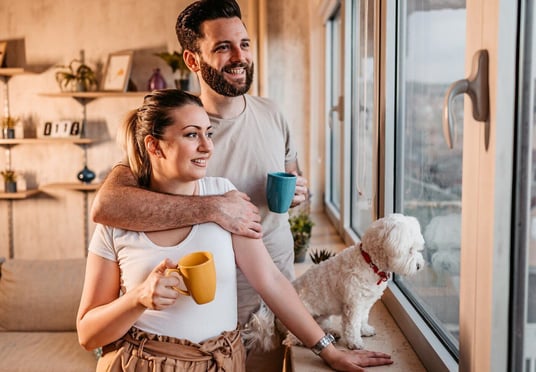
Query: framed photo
{"x":3,"y":46}
{"x":117,"y":72}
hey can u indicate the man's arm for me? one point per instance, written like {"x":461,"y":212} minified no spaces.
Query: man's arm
{"x":120,"y":202}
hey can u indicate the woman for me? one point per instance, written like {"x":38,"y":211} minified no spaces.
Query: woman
{"x":128,"y":304}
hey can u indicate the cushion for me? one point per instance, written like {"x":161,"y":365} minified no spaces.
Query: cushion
{"x":40,"y":295}
{"x":43,"y":352}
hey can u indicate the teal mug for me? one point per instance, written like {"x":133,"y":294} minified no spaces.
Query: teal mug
{"x":280,"y":188}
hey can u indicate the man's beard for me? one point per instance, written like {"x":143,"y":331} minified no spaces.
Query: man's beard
{"x":217,"y":82}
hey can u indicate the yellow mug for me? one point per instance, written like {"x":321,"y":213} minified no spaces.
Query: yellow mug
{"x":199,"y":275}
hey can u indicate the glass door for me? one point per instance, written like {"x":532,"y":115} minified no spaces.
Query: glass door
{"x":462,"y":196}
{"x":335,"y":113}
{"x":430,"y":44}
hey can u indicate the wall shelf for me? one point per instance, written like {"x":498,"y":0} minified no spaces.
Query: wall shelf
{"x":93,"y":95}
{"x":35,"y":141}
{"x":19,"y":194}
{"x":76,"y":186}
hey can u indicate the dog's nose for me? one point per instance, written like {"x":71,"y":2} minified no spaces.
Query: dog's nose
{"x":418,"y":266}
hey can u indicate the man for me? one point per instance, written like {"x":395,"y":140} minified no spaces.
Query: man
{"x":251,"y":138}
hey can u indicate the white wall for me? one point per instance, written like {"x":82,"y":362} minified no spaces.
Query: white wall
{"x":51,"y":225}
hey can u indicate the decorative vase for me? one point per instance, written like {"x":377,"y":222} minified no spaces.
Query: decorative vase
{"x":10,"y":186}
{"x":86,"y":175}
{"x":156,"y":81}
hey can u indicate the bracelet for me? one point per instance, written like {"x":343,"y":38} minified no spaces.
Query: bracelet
{"x":323,"y":343}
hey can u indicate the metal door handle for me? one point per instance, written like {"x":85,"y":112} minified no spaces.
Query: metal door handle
{"x":477,"y":87}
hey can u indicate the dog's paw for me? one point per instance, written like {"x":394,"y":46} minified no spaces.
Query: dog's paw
{"x":355,"y":344}
{"x":292,"y":340}
{"x":367,"y":330}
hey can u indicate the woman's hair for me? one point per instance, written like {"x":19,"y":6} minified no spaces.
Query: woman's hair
{"x":188,"y":26}
{"x":150,"y":119}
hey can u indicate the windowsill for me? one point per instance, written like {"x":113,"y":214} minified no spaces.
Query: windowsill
{"x":388,"y":339}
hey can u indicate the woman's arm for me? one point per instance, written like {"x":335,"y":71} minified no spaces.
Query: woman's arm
{"x":120,"y":202}
{"x":103,"y":316}
{"x":279,"y":294}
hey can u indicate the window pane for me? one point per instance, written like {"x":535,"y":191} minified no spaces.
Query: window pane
{"x":335,"y":142}
{"x":362,"y":114}
{"x":528,"y":112}
{"x":431,"y":45}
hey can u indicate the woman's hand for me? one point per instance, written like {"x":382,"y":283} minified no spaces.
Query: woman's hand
{"x":353,"y":360}
{"x":156,"y":292}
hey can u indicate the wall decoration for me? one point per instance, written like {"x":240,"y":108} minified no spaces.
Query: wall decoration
{"x":62,"y":129}
{"x":117,"y":72}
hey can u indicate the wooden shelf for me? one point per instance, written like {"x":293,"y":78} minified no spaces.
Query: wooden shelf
{"x":93,"y":95}
{"x":34,"y":141}
{"x":77,"y":186}
{"x":19,"y":194}
{"x":12,"y":71}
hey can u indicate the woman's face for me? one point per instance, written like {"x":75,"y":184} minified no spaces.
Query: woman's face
{"x":186,"y":146}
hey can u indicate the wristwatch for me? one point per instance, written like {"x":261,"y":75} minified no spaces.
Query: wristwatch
{"x":323,"y":343}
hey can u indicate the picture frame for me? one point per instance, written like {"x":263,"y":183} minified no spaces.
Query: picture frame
{"x":117,"y":72}
{"x":3,"y":47}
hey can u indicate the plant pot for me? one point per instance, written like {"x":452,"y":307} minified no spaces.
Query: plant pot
{"x":300,"y":251}
{"x":10,"y":186}
{"x":8,"y":132}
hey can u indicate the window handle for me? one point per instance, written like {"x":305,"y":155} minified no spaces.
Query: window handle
{"x":477,"y":87}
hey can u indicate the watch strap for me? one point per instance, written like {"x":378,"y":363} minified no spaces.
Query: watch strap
{"x":324,"y":342}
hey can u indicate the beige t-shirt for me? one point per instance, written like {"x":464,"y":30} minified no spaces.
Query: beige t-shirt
{"x":246,"y":148}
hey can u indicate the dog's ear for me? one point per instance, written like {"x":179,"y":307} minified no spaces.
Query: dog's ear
{"x":403,"y":237}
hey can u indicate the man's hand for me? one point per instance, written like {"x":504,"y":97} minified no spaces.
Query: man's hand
{"x":236,"y":214}
{"x":302,"y":192}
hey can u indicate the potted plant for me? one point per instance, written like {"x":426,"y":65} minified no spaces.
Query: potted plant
{"x":301,"y":226}
{"x":10,"y":180}
{"x":76,"y":77}
{"x":318,"y":256}
{"x":8,"y":126}
{"x":177,"y":64}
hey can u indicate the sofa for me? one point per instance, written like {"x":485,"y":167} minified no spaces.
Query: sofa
{"x":38,"y":304}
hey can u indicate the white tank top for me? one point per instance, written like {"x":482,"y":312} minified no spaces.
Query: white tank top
{"x":137,"y":256}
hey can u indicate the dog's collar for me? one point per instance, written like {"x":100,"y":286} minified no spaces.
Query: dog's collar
{"x":382,"y":274}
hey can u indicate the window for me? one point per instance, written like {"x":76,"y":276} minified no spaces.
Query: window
{"x":430,"y":55}
{"x":335,"y":125}
{"x":362,"y":194}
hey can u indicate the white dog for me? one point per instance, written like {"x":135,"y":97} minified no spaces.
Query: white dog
{"x":349,"y":283}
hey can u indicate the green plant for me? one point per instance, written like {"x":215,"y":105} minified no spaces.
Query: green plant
{"x":176,"y":62}
{"x":9,"y":175}
{"x":76,"y":76}
{"x":9,"y":122}
{"x":301,"y":226}
{"x":320,"y":255}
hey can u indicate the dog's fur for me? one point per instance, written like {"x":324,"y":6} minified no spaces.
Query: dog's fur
{"x":347,"y":285}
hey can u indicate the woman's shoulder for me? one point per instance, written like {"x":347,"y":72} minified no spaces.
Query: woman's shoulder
{"x":215,"y":185}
